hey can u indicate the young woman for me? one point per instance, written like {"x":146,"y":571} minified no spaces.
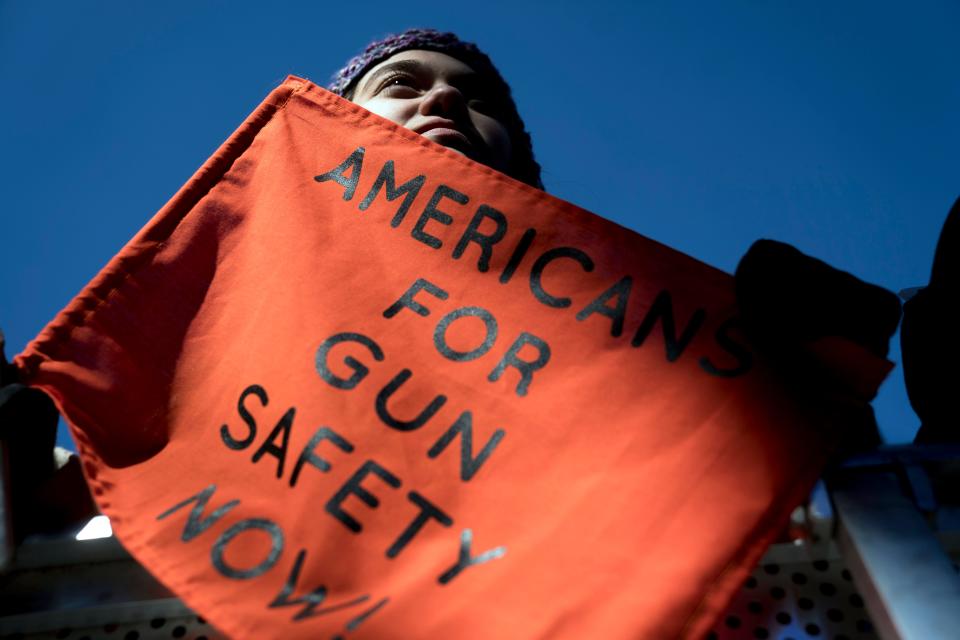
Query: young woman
{"x":446,"y":90}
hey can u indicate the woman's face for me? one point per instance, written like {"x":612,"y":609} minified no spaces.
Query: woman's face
{"x":442,"y":99}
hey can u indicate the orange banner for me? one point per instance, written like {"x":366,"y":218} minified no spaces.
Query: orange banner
{"x":349,"y":383}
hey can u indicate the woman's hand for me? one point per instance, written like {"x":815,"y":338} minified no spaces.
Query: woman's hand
{"x":47,"y":491}
{"x":824,"y":330}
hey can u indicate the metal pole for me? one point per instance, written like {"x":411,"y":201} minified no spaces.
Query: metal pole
{"x":909,"y":585}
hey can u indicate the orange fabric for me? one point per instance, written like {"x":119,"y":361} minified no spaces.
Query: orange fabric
{"x":557,"y":433}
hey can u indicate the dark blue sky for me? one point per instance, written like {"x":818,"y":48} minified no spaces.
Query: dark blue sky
{"x":832,"y":126}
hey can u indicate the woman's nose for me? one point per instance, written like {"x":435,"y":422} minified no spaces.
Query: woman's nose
{"x":443,"y":99}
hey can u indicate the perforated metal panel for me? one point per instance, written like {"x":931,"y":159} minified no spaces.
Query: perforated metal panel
{"x":797,"y":601}
{"x":185,"y":627}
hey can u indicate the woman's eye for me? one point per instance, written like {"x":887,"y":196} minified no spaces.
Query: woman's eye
{"x":398,"y":85}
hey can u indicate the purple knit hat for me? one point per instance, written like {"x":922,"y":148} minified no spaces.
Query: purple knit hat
{"x":523,"y":166}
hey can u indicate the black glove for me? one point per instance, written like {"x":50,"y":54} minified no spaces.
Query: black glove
{"x":43,"y":498}
{"x":930,"y":343}
{"x":824,"y":330}
{"x":28,"y":426}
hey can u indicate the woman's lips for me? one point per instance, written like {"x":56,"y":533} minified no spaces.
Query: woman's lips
{"x":448,"y":137}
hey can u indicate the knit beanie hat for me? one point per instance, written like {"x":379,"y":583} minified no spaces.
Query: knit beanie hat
{"x":523,"y":166}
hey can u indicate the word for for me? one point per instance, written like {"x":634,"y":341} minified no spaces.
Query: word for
{"x":525,"y":342}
